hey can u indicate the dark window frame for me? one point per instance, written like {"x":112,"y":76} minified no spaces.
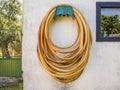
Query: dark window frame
{"x":100,"y":5}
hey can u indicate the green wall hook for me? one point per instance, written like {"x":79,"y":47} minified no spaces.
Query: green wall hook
{"x":64,"y":10}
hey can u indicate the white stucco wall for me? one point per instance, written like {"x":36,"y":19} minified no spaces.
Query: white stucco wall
{"x":103,"y":69}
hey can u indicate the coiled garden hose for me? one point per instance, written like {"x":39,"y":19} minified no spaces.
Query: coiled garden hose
{"x":68,"y":68}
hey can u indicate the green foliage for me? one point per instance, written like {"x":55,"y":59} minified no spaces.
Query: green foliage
{"x":110,"y":24}
{"x":10,"y":26}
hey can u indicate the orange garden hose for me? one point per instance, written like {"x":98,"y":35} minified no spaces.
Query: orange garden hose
{"x":68,"y":68}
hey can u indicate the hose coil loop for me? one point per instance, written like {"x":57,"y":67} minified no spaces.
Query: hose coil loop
{"x":68,"y":68}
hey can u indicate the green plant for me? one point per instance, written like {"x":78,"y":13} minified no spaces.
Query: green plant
{"x":10,"y":26}
{"x":110,"y":24}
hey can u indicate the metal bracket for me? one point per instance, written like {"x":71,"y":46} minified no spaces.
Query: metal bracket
{"x":64,"y":11}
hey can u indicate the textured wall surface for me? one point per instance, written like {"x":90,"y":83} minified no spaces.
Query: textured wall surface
{"x":103,"y":69}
